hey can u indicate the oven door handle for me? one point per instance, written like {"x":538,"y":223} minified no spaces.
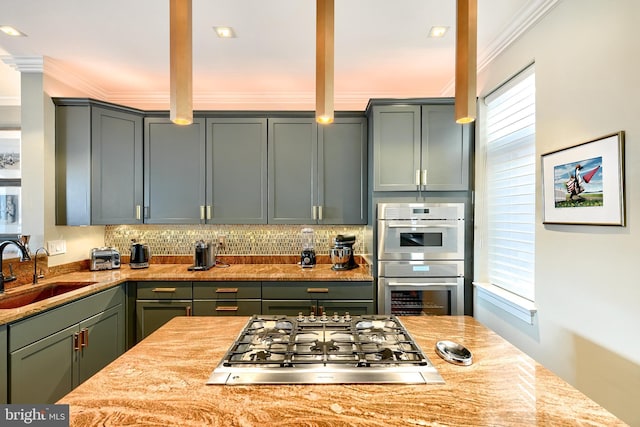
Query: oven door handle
{"x":422,"y":284}
{"x":421,"y":226}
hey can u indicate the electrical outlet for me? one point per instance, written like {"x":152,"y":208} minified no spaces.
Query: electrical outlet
{"x":56,"y":247}
{"x":222,"y":239}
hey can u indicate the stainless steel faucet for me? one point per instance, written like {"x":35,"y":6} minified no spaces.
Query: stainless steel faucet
{"x":24,"y":257}
{"x":35,"y":264}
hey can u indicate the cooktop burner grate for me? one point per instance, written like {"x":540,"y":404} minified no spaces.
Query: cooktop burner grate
{"x":312,"y":350}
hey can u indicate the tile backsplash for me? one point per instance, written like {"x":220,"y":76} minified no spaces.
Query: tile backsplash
{"x":239,"y":239}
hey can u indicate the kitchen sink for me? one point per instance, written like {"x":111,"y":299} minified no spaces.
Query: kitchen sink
{"x":20,"y":299}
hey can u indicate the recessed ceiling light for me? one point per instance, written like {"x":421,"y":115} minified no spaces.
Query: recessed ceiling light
{"x":438,"y":32}
{"x":225,"y":32}
{"x":10,"y":31}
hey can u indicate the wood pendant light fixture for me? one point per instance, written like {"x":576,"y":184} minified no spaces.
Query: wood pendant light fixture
{"x":181,"y":68}
{"x":324,"y":60}
{"x":466,"y":60}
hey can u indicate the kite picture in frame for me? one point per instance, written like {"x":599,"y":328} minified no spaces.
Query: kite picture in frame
{"x":584,"y":184}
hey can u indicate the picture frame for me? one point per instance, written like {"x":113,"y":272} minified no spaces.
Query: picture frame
{"x":584,"y":184}
{"x":10,"y":154}
{"x":10,"y":210}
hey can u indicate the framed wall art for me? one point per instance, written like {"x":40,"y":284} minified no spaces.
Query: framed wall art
{"x":584,"y":184}
{"x":10,"y":154}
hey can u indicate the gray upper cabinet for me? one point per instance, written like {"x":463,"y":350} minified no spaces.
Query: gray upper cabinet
{"x":174,"y":171}
{"x":342,"y":172}
{"x":419,"y":148}
{"x":236,"y":171}
{"x":317,"y":174}
{"x":98,"y":163}
{"x":293,"y":146}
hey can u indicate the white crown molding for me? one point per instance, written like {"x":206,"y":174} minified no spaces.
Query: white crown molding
{"x":24,"y":64}
{"x":527,"y":17}
{"x":56,"y":71}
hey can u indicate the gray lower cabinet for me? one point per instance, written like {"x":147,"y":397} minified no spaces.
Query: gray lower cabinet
{"x":317,"y":174}
{"x":236,"y":171}
{"x":53,"y":352}
{"x":225,"y":298}
{"x":98,"y":163}
{"x":4,"y":391}
{"x":159,"y":302}
{"x":419,"y":147}
{"x":291,"y":298}
{"x":174,"y":172}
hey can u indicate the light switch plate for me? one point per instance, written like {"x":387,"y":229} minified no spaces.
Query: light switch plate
{"x":56,"y":247}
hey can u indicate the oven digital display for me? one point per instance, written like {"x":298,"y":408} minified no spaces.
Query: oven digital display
{"x":421,"y":268}
{"x":421,"y":210}
{"x":421,"y":239}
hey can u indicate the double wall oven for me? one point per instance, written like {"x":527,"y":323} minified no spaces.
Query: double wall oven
{"x":421,"y":258}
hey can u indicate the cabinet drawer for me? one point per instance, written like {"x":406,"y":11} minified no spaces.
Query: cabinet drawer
{"x":226,"y":307}
{"x":164,"y":290}
{"x":317,"y":290}
{"x":226,"y":290}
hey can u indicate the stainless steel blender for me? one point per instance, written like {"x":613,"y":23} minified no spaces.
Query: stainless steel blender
{"x":308,"y":255}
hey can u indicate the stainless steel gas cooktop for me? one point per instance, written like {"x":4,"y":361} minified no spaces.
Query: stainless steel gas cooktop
{"x":324,"y":350}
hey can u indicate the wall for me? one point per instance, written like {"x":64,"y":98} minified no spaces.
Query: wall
{"x":588,"y":300}
{"x":9,"y":116}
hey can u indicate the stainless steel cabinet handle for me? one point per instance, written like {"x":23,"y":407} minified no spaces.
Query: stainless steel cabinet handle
{"x":188,"y":310}
{"x":315,"y":212}
{"x":165,"y":290}
{"x":227,"y":308}
{"x":202,"y":212}
{"x":208,"y":211}
{"x":320,"y":212}
{"x":424,"y":177}
{"x":76,"y":341}
{"x":85,"y":337}
{"x":138,"y":212}
{"x":417,"y":176}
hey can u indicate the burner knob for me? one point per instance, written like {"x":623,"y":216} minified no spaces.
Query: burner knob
{"x":324,"y":317}
{"x":347,"y":317}
{"x":335,"y":317}
{"x":312,"y":317}
{"x":300,"y":317}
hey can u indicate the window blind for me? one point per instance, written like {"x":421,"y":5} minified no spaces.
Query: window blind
{"x":510,"y":186}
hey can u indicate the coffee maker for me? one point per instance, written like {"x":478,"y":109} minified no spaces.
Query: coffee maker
{"x":308,"y":255}
{"x":341,"y":253}
{"x":204,"y":256}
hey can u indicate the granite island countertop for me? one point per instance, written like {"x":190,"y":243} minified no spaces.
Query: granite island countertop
{"x":161,"y":381}
{"x":175,"y":272}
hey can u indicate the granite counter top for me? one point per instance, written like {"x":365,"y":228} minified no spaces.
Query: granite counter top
{"x":176,"y":272}
{"x":161,"y":381}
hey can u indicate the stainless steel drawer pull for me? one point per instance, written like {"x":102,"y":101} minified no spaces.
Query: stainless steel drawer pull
{"x":165,"y":290}
{"x":318,"y":290}
{"x":229,"y":308}
{"x":227,"y":291}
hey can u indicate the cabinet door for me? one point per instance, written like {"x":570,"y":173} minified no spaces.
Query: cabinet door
{"x":237,"y":171}
{"x":396,"y":147}
{"x":175,"y":158}
{"x":445,"y":149}
{"x":45,"y":370}
{"x":103,"y":341}
{"x":342,"y":172}
{"x":150,"y":315}
{"x":116,"y":167}
{"x":292,"y":170}
{"x":289,"y":307}
{"x":3,"y":364}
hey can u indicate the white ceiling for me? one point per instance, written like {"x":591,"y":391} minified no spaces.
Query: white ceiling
{"x":118,"y":50}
